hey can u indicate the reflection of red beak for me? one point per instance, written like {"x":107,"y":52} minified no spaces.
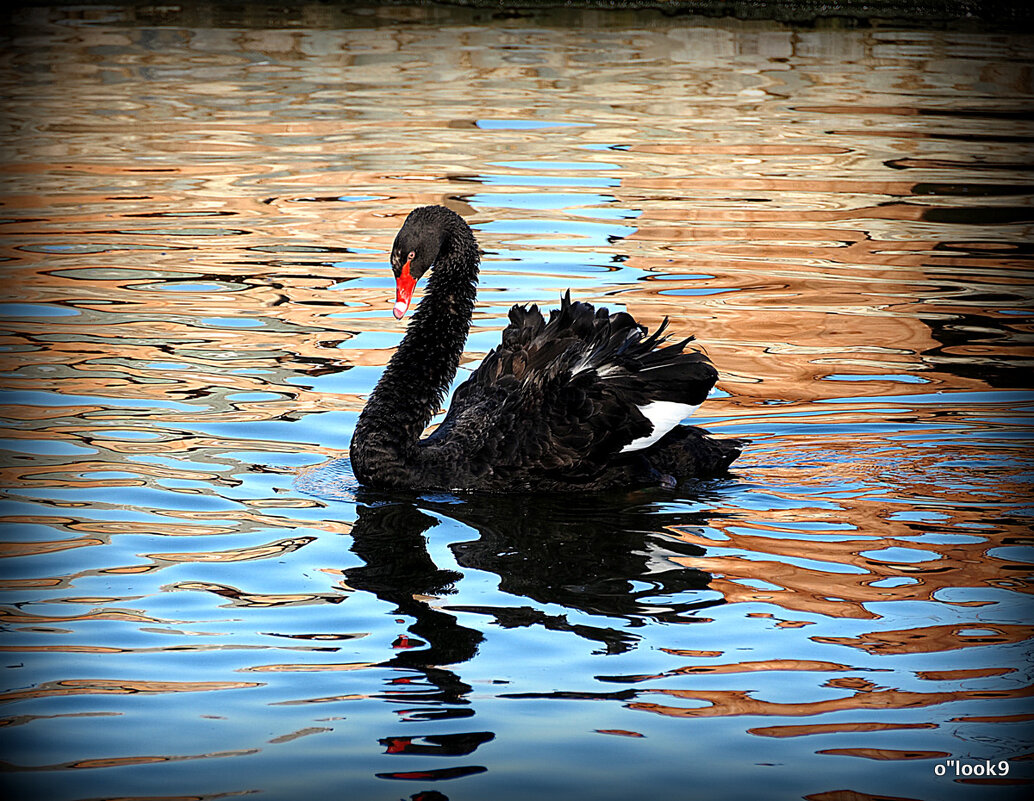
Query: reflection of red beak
{"x":404,"y":286}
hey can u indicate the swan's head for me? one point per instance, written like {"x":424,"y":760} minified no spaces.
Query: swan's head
{"x":416,"y":248}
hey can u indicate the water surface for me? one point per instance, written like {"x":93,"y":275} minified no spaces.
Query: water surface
{"x":196,"y":227}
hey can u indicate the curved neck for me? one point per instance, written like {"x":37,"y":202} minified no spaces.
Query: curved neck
{"x":414,"y":383}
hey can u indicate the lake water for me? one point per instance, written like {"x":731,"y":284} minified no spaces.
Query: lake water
{"x":197,"y":213}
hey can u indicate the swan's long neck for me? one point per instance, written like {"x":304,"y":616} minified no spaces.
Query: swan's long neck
{"x":418,"y":375}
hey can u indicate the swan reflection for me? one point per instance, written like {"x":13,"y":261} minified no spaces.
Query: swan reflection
{"x":607,"y":560}
{"x":605,"y":557}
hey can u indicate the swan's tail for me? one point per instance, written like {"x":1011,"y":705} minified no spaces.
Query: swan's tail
{"x":689,"y":452}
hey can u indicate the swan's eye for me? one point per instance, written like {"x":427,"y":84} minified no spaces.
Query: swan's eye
{"x":412,"y":255}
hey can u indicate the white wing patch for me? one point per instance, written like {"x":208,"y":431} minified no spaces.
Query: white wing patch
{"x":664,"y":415}
{"x":602,"y":371}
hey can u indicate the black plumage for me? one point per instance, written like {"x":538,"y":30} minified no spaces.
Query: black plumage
{"x":551,"y":408}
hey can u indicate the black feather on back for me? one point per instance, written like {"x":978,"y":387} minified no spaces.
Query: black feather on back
{"x":557,"y":401}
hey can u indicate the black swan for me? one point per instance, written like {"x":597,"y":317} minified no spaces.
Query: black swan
{"x":585,"y":401}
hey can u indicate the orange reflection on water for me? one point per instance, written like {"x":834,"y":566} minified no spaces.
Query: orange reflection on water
{"x":117,"y":762}
{"x":260,"y":600}
{"x":267,"y":551}
{"x":833,"y":728}
{"x":884,"y":753}
{"x":119,"y":687}
{"x":925,"y":639}
{"x":309,"y":668}
{"x":867,"y":697}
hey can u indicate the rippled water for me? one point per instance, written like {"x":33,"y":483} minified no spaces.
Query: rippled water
{"x":196,"y":221}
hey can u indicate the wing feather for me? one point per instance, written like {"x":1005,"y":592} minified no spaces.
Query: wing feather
{"x":564,"y":396}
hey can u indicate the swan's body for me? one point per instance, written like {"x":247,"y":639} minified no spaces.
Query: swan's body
{"x":585,"y":401}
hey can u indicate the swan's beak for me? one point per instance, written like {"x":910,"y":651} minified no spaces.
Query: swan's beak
{"x":404,"y":286}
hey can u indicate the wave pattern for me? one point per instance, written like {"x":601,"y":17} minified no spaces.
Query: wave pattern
{"x":199,"y":601}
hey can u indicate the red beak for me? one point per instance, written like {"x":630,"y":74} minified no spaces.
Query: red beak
{"x":404,"y":286}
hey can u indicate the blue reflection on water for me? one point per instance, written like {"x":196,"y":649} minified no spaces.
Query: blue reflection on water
{"x":35,"y":310}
